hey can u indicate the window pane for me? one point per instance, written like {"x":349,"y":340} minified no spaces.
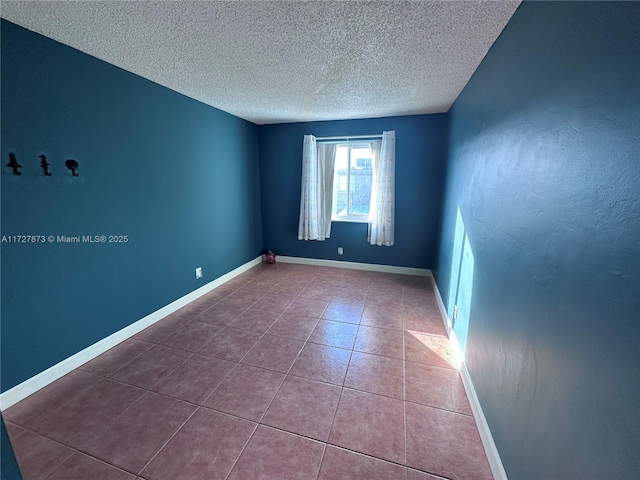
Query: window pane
{"x":361,"y":176}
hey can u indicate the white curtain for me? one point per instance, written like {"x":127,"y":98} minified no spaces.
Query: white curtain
{"x":326,"y":166}
{"x":382,"y":212}
{"x":317,"y":189}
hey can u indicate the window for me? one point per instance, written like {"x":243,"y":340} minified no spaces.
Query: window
{"x":352,"y":179}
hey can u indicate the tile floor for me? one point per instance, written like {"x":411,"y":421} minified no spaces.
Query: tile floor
{"x":285,"y":372}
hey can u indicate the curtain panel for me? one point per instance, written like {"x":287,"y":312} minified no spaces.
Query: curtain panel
{"x":316,"y":189}
{"x":383,"y":189}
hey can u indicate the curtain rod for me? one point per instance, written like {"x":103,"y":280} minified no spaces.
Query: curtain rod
{"x":349,"y":137}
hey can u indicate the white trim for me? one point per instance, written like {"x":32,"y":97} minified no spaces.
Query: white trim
{"x":352,"y":218}
{"x":42,"y":379}
{"x":497,"y":469}
{"x":495,"y":462}
{"x":455,"y":345}
{"x":370,"y":267}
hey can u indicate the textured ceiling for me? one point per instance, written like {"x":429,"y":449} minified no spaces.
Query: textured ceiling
{"x":285,"y":61}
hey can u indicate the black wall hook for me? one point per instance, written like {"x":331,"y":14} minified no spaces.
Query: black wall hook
{"x":73,"y":166}
{"x":13,"y":163}
{"x":45,"y":165}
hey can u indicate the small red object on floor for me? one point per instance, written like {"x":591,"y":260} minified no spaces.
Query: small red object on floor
{"x":271,"y":257}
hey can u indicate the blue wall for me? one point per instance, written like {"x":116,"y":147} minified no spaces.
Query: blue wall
{"x":421,"y":143}
{"x":544,"y":165}
{"x":178,"y":177}
{"x":9,"y":469}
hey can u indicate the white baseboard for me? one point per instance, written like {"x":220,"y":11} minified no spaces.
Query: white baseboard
{"x":41,"y":380}
{"x":370,"y":267}
{"x":497,"y":469}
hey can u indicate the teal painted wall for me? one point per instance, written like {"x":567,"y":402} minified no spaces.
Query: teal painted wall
{"x":543,"y":165}
{"x":178,"y":177}
{"x":544,"y":168}
{"x":9,"y":469}
{"x":421,"y":150}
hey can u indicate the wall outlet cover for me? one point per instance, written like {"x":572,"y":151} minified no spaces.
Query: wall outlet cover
{"x":198,"y":272}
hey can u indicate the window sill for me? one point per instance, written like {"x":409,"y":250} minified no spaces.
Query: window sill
{"x":351,"y":218}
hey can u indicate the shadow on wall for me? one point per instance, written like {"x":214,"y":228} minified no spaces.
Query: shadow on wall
{"x":461,"y":285}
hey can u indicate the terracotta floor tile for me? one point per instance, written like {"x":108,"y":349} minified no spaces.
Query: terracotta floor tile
{"x":133,"y":438}
{"x":280,"y":300}
{"x":196,"y":378}
{"x":383,"y":300}
{"x":332,"y":276}
{"x":304,"y":362}
{"x":305,"y":407}
{"x":382,"y":317}
{"x":431,"y":349}
{"x":13,"y":430}
{"x":421,"y":306}
{"x":81,"y":466}
{"x":436,"y":386}
{"x":274,"y":454}
{"x":29,"y":411}
{"x":419,"y":303}
{"x":231,"y":344}
{"x":339,"y":464}
{"x":116,"y":357}
{"x":445,"y":443}
{"x":151,"y":367}
{"x":273,"y":301}
{"x":37,"y":456}
{"x":274,"y":353}
{"x":334,"y":334}
{"x":193,"y":309}
{"x":386,"y":284}
{"x":254,"y":285}
{"x":370,"y":424}
{"x":323,"y":363}
{"x":418,"y":475}
{"x":222,"y":313}
{"x":192,"y":336}
{"x":247,"y":392}
{"x":88,"y":413}
{"x":419,"y":311}
{"x":161,"y":329}
{"x":257,"y":319}
{"x":307,"y":307}
{"x":343,"y":312}
{"x":376,"y":374}
{"x":244,"y":297}
{"x":288,"y":287}
{"x":205,"y":448}
{"x":214,"y":296}
{"x":430,"y":326}
{"x":380,"y":341}
{"x":319,"y":291}
{"x":293,"y":326}
{"x":346,"y":294}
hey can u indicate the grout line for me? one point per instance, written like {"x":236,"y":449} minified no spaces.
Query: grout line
{"x":404,"y":386}
{"x":167,"y":442}
{"x":324,"y":451}
{"x":244,"y":447}
{"x":305,"y":342}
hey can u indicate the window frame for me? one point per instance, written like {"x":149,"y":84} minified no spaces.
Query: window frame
{"x":351,"y":217}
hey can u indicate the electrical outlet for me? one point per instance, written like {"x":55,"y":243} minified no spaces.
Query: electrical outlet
{"x":340,"y":251}
{"x":198,"y":273}
{"x":455,"y":312}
